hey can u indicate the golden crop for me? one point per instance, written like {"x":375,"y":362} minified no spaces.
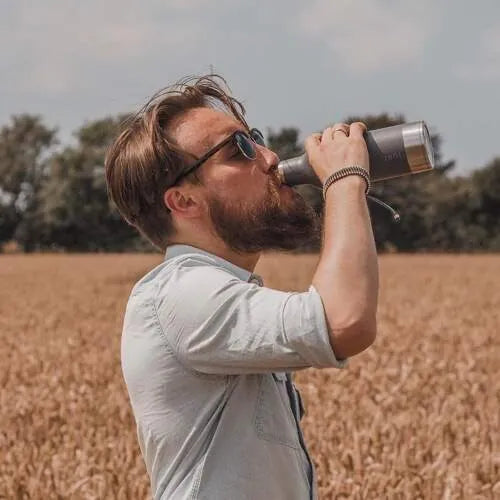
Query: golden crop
{"x":417,"y":415}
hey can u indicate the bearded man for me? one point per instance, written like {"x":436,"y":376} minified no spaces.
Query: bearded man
{"x":207,"y":349}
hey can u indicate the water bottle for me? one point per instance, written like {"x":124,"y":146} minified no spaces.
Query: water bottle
{"x":394,"y":151}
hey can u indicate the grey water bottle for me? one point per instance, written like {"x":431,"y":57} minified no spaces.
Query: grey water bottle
{"x":394,"y":151}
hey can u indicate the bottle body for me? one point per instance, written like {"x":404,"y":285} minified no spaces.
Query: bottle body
{"x":393,"y":151}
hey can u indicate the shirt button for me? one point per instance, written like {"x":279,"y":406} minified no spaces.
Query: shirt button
{"x":256,"y":279}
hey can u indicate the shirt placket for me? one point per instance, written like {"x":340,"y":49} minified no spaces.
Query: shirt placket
{"x":295,"y":406}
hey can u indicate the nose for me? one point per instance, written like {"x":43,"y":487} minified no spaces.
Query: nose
{"x":271,"y":159}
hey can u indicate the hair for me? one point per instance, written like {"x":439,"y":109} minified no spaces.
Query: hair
{"x":144,"y":160}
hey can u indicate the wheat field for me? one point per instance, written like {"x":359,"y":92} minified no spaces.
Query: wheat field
{"x":416,"y":416}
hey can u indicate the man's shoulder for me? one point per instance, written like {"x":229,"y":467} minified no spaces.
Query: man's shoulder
{"x":185,"y":268}
{"x":170,"y":290}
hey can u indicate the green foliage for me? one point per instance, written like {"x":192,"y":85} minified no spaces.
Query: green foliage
{"x":76,"y":213}
{"x":284,"y":143}
{"x":415,"y":197}
{"x":485,"y":211}
{"x":58,"y":200}
{"x":24,"y":146}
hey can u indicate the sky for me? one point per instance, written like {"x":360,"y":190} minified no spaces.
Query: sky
{"x":305,"y":64}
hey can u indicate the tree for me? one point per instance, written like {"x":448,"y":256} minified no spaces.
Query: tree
{"x":285,"y":142}
{"x":485,"y":213}
{"x":76,"y":211}
{"x":58,"y":199}
{"x":25,"y":144}
{"x":413,"y":196}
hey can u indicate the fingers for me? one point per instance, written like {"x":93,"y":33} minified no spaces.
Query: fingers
{"x":339,"y":132}
{"x":312,"y":140}
{"x":357,"y":129}
{"x":337,"y":147}
{"x":340,"y":129}
{"x":312,"y":145}
{"x":327,"y":135}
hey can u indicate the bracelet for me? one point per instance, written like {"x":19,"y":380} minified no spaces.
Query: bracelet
{"x":344,"y":172}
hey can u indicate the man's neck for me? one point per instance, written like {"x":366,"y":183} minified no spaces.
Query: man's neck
{"x":217,"y":247}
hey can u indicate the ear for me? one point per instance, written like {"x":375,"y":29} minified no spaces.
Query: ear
{"x":182,"y":201}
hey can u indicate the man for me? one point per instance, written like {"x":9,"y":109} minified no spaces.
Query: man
{"x":207,"y":350}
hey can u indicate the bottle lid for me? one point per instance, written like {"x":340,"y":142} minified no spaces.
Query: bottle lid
{"x":418,"y":146}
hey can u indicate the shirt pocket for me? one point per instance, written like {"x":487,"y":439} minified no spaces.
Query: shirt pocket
{"x":273,"y":419}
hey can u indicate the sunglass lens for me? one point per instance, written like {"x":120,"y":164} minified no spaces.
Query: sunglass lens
{"x":257,"y":136}
{"x":246,"y":146}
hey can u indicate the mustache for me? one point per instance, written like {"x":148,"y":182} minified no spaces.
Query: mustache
{"x":274,"y":178}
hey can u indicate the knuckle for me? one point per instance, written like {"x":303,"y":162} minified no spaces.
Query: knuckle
{"x":359,"y":125}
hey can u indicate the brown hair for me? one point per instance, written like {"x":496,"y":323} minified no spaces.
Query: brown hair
{"x":144,"y":160}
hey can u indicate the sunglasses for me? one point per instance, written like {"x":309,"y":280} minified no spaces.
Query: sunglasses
{"x":243,"y":141}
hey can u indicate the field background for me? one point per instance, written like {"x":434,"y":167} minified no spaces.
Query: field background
{"x":415,"y":416}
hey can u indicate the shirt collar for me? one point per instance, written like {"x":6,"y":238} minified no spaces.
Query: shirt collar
{"x":242,"y":274}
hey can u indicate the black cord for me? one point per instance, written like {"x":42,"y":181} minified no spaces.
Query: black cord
{"x":395,"y":216}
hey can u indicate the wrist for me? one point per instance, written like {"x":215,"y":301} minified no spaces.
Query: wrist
{"x":350,"y":182}
{"x":349,"y":187}
{"x":353,"y":175}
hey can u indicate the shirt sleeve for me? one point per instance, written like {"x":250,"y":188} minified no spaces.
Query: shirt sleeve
{"x":218,"y":324}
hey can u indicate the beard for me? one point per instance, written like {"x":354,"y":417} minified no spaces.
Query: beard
{"x":273,"y":223}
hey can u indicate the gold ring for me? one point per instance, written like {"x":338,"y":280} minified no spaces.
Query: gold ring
{"x":340,"y":130}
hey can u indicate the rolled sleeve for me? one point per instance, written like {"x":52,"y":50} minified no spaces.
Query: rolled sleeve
{"x":218,"y":324}
{"x":305,"y":327}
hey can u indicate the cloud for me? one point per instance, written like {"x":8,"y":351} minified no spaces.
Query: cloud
{"x":371,"y":35}
{"x":55,"y":41}
{"x":486,"y":66}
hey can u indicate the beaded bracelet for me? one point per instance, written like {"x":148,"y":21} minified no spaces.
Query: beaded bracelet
{"x":344,"y":172}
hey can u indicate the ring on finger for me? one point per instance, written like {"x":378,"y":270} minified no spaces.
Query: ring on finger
{"x":340,"y":129}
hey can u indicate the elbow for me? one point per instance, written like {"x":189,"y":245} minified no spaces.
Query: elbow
{"x":351,"y":340}
{"x":369,"y":334}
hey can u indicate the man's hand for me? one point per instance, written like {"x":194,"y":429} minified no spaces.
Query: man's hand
{"x":338,"y":147}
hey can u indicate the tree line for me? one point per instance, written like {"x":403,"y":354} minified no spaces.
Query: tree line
{"x":53,"y":197}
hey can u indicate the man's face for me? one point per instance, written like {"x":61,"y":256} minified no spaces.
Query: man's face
{"x":250,"y":210}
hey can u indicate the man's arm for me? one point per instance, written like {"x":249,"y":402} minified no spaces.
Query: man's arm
{"x":216,"y":323}
{"x":347,"y":274}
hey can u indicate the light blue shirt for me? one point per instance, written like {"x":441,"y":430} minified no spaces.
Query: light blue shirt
{"x":206,"y":351}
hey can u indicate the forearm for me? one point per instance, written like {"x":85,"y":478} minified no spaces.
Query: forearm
{"x":347,"y":272}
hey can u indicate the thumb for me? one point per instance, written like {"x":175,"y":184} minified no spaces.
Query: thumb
{"x":311,"y":144}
